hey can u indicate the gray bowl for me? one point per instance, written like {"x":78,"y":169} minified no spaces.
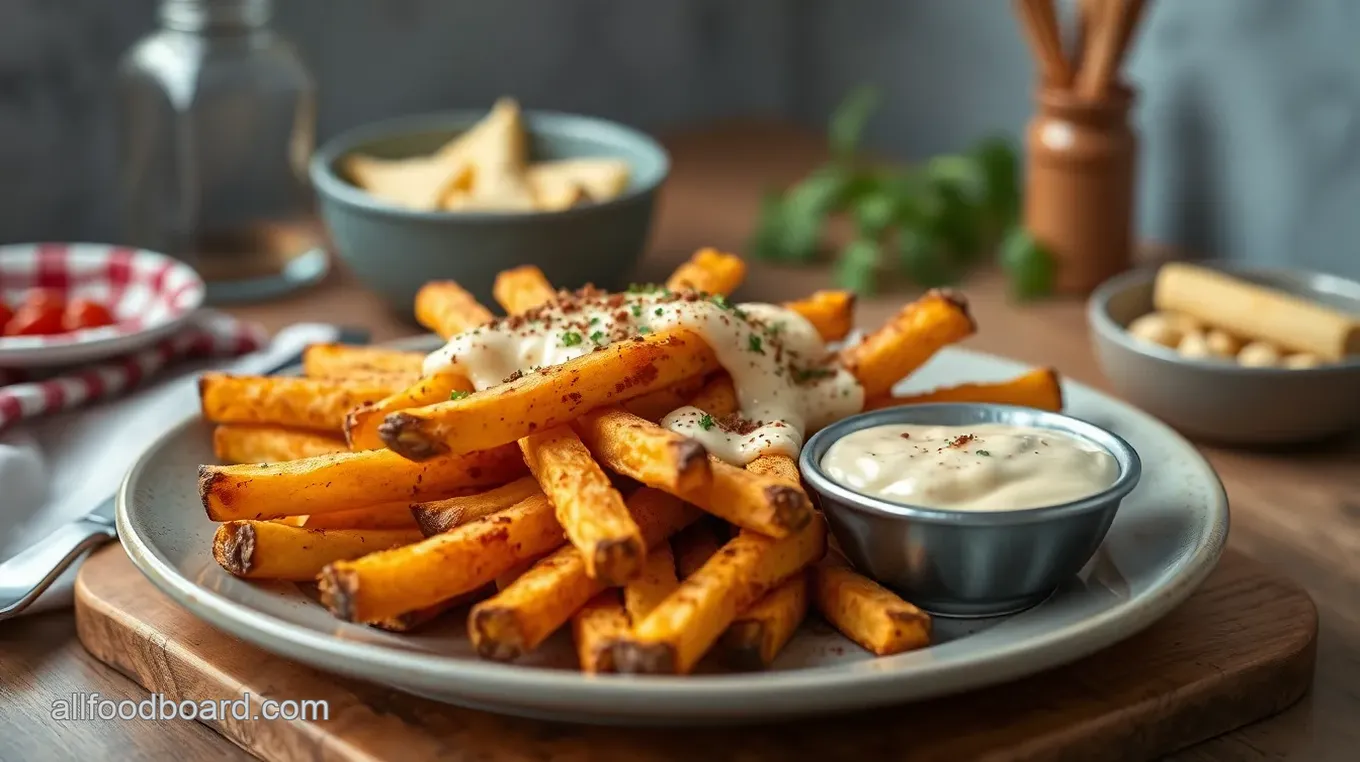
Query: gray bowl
{"x":1217,"y":400}
{"x":968,"y":563}
{"x":395,"y":250}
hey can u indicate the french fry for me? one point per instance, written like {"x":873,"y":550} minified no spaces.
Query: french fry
{"x":395,"y":515}
{"x":550,"y":397}
{"x":520,"y":289}
{"x":832,"y":313}
{"x":760,"y":633}
{"x":595,"y":628}
{"x":678,"y":632}
{"x":776,"y":466}
{"x":865,"y":611}
{"x":709,"y":270}
{"x":270,"y":550}
{"x":305,"y":403}
{"x":718,"y":397}
{"x":657,"y":581}
{"x":655,"y":456}
{"x":341,"y":360}
{"x":361,"y":423}
{"x":258,"y":443}
{"x":392,"y":582}
{"x":1040,"y":388}
{"x":656,"y":405}
{"x":590,"y":510}
{"x":522,"y":615}
{"x":694,"y":545}
{"x":438,"y":516}
{"x":446,"y":308}
{"x":346,"y":480}
{"x":908,"y":340}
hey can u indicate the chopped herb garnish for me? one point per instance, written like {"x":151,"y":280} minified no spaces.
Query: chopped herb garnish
{"x":637,"y":310}
{"x":803,"y":375}
{"x":706,"y":422}
{"x":597,"y":337}
{"x":721,"y":301}
{"x":984,"y":453}
{"x":753,"y":343}
{"x":457,"y":395}
{"x":658,"y":311}
{"x":571,"y":339}
{"x":647,"y":288}
{"x":595,"y":321}
{"x":644,"y":329}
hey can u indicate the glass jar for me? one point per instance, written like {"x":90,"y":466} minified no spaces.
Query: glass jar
{"x":1079,"y":185}
{"x":216,"y":122}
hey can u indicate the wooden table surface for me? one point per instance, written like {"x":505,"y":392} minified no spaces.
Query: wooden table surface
{"x":1296,"y":509}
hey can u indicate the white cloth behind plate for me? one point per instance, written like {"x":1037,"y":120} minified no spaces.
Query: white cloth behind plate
{"x":55,"y":470}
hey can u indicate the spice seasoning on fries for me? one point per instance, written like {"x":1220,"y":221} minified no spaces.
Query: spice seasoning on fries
{"x":634,"y":414}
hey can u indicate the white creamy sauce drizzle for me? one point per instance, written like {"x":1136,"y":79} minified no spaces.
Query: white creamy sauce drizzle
{"x":779,"y":366}
{"x":979,"y":467}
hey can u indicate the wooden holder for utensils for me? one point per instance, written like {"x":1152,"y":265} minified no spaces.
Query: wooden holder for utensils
{"x":1081,"y":152}
{"x":1079,"y":184}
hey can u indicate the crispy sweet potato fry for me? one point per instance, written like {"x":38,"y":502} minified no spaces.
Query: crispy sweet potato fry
{"x":657,"y":581}
{"x":438,"y":516}
{"x":590,"y":510}
{"x":718,"y":397}
{"x":865,"y":611}
{"x":595,"y":628}
{"x":347,"y":480}
{"x":655,"y":456}
{"x":519,"y":618}
{"x":908,"y":340}
{"x":340,"y":360}
{"x":361,"y":423}
{"x":694,"y":545}
{"x":522,"y":288}
{"x":680,"y":630}
{"x":447,"y":309}
{"x":395,"y":515}
{"x":304,"y":403}
{"x":388,"y":583}
{"x":270,"y":550}
{"x":832,"y":313}
{"x":656,"y":405}
{"x":1040,"y":388}
{"x":550,"y":397}
{"x":709,"y":270}
{"x":258,"y":443}
{"x":776,"y":466}
{"x":759,"y":634}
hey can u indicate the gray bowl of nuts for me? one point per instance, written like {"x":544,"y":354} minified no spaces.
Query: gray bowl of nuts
{"x":1232,"y":353}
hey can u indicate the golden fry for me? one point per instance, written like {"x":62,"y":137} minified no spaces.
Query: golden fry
{"x":1040,"y":388}
{"x":832,"y":313}
{"x":709,"y":270}
{"x":654,"y":456}
{"x":595,"y":628}
{"x":447,"y":309}
{"x":522,"y":615}
{"x":776,"y":466}
{"x":392,"y":582}
{"x":908,"y":340}
{"x":718,"y":397}
{"x":550,"y":397}
{"x":438,"y":516}
{"x":520,"y":289}
{"x":343,"y":360}
{"x":361,"y":423}
{"x":760,"y":633}
{"x":304,"y":403}
{"x":866,"y":612}
{"x":257,"y":443}
{"x":678,"y":632}
{"x":270,"y":550}
{"x":657,"y":581}
{"x":346,"y":480}
{"x":395,"y":515}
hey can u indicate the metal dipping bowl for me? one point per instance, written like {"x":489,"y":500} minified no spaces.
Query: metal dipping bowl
{"x":968,"y":563}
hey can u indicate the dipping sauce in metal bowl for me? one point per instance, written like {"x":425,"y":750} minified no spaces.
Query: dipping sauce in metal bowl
{"x":975,"y":467}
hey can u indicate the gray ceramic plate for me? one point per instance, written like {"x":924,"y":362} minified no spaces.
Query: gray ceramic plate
{"x":1165,"y":540}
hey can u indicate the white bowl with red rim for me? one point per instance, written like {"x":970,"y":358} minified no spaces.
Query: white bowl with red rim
{"x":150,"y":295}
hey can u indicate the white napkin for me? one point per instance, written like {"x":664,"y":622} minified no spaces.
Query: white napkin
{"x":55,"y":470}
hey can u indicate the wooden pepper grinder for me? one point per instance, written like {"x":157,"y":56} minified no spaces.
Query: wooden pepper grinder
{"x":1081,"y":152}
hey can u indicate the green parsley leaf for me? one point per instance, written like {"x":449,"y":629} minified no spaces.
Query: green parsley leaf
{"x":642,"y":329}
{"x":754,"y":344}
{"x":637,"y":310}
{"x":856,"y":270}
{"x":803,"y":375}
{"x":924,"y":258}
{"x":597,"y":337}
{"x":706,"y":422}
{"x":1029,"y":264}
{"x":848,"y":121}
{"x":457,"y":395}
{"x":595,"y":321}
{"x":658,"y":311}
{"x":984,"y":453}
{"x":571,"y":339}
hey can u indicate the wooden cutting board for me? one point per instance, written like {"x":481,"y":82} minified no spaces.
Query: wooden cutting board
{"x":1240,"y":649}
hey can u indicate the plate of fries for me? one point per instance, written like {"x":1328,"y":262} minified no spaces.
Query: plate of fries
{"x":543,"y":546}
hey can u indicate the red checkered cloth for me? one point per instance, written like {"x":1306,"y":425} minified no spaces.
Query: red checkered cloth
{"x":208,"y":334}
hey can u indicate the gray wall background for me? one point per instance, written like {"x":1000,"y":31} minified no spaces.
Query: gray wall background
{"x":1250,"y":109}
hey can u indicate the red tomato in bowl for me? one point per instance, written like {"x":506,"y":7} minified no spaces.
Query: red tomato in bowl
{"x":5,"y":314}
{"x":84,"y":313}
{"x":35,"y":320}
